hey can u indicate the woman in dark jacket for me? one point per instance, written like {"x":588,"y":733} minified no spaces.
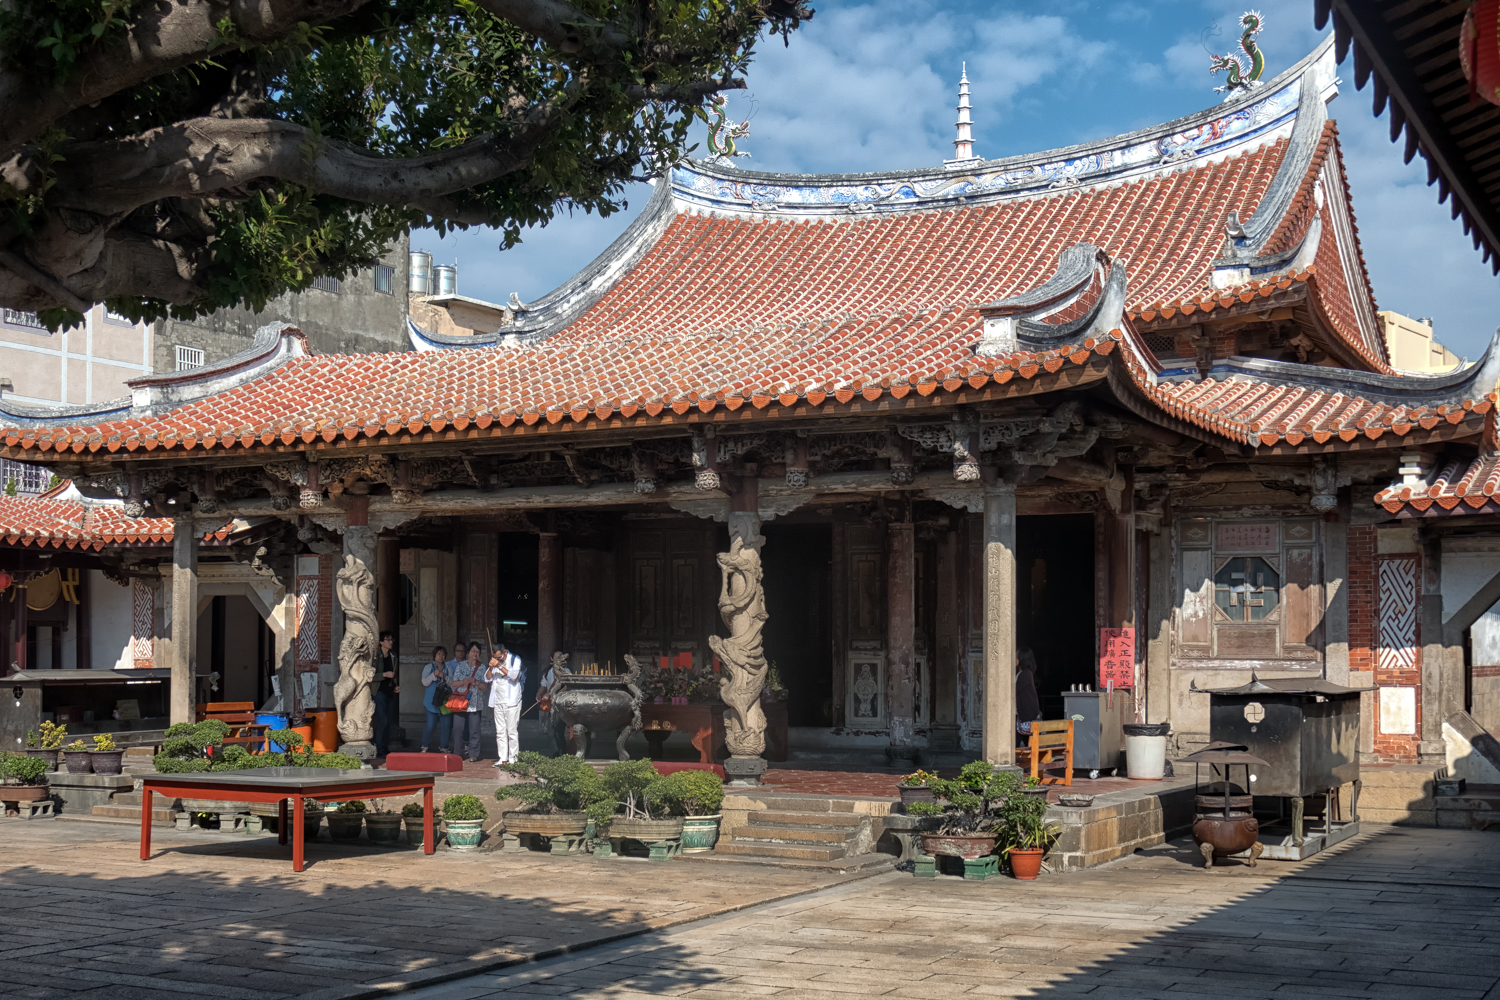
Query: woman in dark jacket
{"x":1028,"y":705}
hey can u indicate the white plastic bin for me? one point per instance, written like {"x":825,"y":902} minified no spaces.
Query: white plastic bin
{"x":1145,"y":757}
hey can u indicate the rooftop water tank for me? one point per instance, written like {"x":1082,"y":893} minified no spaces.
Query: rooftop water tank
{"x":446,"y":278}
{"x":420,"y":280}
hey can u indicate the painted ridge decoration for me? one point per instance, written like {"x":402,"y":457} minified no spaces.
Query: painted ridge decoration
{"x":722,"y":132}
{"x":1242,"y":75}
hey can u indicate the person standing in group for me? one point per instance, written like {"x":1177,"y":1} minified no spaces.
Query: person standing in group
{"x":468,"y":682}
{"x":386,"y":690}
{"x":507,"y":681}
{"x":551,"y":724}
{"x":439,"y":726}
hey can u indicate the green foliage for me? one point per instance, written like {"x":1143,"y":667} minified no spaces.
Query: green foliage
{"x":289,"y":740}
{"x":917,"y":779}
{"x":970,"y":802}
{"x":352,"y":806}
{"x":22,"y":769}
{"x":103,"y":742}
{"x":30,"y":738}
{"x":412,"y":810}
{"x":52,"y":735}
{"x":688,"y":793}
{"x":340,"y":761}
{"x":462,"y":807}
{"x":1025,"y":825}
{"x":77,"y":745}
{"x":10,"y":486}
{"x":553,"y":784}
{"x":185,"y":746}
{"x":394,"y":79}
{"x":625,"y":783}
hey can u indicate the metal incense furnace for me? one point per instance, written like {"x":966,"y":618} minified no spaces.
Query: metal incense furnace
{"x":1224,"y":823}
{"x":1307,"y":732}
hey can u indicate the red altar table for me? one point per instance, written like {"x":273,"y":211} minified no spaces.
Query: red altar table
{"x":704,"y":725}
{"x":283,"y":784}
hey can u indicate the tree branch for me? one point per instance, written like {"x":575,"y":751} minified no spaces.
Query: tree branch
{"x":41,"y":280}
{"x":167,"y":36}
{"x":557,"y":23}
{"x":203,"y":156}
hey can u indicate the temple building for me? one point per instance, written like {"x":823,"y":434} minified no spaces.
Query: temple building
{"x":1135,"y":384}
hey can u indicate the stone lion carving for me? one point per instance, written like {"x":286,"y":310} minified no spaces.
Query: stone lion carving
{"x":356,"y":591}
{"x":742,"y":605}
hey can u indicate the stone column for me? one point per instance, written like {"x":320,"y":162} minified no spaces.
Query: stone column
{"x":355,"y":588}
{"x":388,"y":603}
{"x":548,"y":586}
{"x":840,"y":625}
{"x":1158,"y":624}
{"x":999,"y":623}
{"x":742,"y":661}
{"x":1430,"y":748}
{"x":900,"y":641}
{"x":1336,"y":596}
{"x":184,"y":650}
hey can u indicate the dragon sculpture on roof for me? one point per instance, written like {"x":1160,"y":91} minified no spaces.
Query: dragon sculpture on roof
{"x":722,"y":132}
{"x":1242,"y":76}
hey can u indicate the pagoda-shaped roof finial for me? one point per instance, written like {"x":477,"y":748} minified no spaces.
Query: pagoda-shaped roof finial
{"x":963,"y":144}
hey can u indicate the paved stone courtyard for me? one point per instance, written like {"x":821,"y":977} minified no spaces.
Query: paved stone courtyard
{"x":1399,"y":913}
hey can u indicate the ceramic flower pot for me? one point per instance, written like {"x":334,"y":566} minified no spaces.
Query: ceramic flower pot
{"x":107,"y":761}
{"x":464,"y":834}
{"x":558,"y":824}
{"x":1026,"y":863}
{"x":384,"y":828}
{"x":647,"y":831}
{"x":50,"y":756}
{"x":311,"y":824}
{"x":345,"y":826}
{"x":966,"y":846}
{"x":916,"y":793}
{"x":24,"y":793}
{"x":700,"y":833}
{"x":416,"y":830}
{"x":79,"y":761}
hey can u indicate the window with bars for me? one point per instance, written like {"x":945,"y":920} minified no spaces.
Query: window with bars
{"x":189,"y":357}
{"x":323,"y":283}
{"x":19,"y":317}
{"x":30,"y":480}
{"x":385,"y":279}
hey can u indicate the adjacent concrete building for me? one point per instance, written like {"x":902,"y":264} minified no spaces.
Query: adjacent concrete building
{"x":1412,"y":345}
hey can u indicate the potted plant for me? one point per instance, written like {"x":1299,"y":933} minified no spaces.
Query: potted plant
{"x":416,"y":823}
{"x":77,"y":758}
{"x":554,"y":798}
{"x":383,"y":826}
{"x":913,"y":788}
{"x":107,"y":757}
{"x":45,"y":743}
{"x":1026,"y":834}
{"x":968,"y":807}
{"x":645,"y":804}
{"x":701,"y":793}
{"x":187,"y":746}
{"x":23,"y":778}
{"x":312,"y":818}
{"x":345,"y":822}
{"x":464,"y":817}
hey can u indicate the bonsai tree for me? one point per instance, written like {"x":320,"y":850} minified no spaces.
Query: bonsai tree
{"x":970,"y":804}
{"x":186,"y":746}
{"x":103,"y":743}
{"x":553,"y":784}
{"x":352,"y":806}
{"x":464,"y":807}
{"x":687,"y":793}
{"x":626,"y":782}
{"x":21,"y":769}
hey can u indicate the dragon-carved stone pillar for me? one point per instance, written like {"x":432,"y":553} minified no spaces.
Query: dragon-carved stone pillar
{"x":742,"y":605}
{"x":353,"y":694}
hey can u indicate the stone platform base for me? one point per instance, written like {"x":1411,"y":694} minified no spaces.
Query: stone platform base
{"x":1121,"y":822}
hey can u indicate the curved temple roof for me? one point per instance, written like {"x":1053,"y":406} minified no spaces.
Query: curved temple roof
{"x":886,"y":291}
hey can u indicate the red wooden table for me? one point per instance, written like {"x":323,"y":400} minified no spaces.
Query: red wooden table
{"x":283,"y":784}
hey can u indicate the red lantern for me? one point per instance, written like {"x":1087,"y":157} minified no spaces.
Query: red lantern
{"x":1479,"y":50}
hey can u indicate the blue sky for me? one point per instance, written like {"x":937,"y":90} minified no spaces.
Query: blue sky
{"x":865,"y":86}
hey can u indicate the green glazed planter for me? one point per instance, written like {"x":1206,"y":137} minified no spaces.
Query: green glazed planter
{"x":700,"y":833}
{"x":464,"y":834}
{"x":416,"y":833}
{"x":383,"y":829}
{"x":345,"y":826}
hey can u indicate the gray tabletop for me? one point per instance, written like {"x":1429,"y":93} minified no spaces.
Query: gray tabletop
{"x":287,"y":777}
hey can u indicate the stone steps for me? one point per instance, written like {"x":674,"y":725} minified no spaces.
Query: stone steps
{"x":771,"y":849}
{"x":802,"y":829}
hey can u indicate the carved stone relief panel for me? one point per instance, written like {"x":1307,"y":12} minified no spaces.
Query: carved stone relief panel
{"x":866,"y":704}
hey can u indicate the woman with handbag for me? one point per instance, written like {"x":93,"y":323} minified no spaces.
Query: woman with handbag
{"x":467,"y":699}
{"x":435,"y":692}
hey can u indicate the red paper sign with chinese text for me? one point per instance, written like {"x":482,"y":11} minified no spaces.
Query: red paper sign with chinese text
{"x":1116,"y":658}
